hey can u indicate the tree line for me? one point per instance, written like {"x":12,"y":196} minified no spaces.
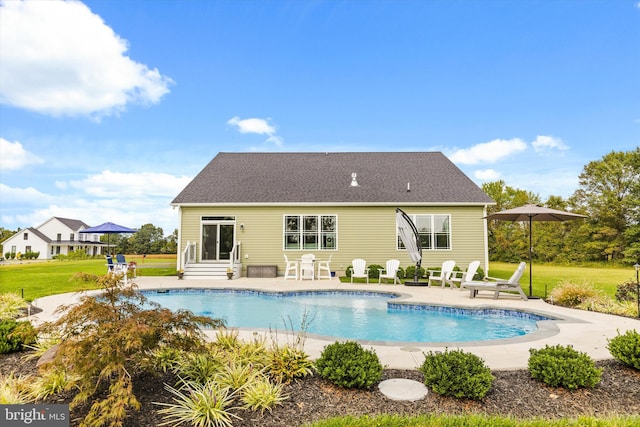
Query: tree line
{"x":608,"y":194}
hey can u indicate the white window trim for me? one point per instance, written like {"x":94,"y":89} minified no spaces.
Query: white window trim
{"x":433,"y":234}
{"x":301,"y":232}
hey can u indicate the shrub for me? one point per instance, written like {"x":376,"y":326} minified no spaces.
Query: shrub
{"x":560,"y":366}
{"x":14,"y":389}
{"x":200,"y":405}
{"x":572,"y":294}
{"x":409,"y":273}
{"x":374,"y":271}
{"x":627,"y":291}
{"x":14,"y":335}
{"x":289,"y":362}
{"x":261,"y":394}
{"x":626,"y":348}
{"x":197,"y":367}
{"x":106,"y":338}
{"x":52,"y":381}
{"x":456,"y":373}
{"x":11,"y":305}
{"x":348,"y":365}
{"x":608,"y":305}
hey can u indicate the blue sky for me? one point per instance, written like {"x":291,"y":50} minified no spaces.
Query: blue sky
{"x":109,"y":108}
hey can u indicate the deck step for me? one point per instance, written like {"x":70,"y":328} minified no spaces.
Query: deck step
{"x":210,"y":271}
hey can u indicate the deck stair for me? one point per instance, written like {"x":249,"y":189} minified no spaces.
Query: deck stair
{"x":210,"y":270}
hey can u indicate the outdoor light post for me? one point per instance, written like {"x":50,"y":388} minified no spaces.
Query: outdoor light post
{"x":637,"y":267}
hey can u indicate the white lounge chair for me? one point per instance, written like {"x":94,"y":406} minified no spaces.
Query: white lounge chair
{"x":391,"y":272}
{"x":465,"y":276}
{"x":359,"y":270}
{"x":307,"y":266}
{"x":291,"y":269}
{"x":498,"y":285}
{"x":324,"y":269}
{"x":443,"y":275}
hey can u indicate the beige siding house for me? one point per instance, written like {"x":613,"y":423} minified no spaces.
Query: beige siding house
{"x":246,"y":211}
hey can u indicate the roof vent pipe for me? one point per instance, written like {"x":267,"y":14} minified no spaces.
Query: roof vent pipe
{"x":354,"y":182}
{"x":408,"y":187}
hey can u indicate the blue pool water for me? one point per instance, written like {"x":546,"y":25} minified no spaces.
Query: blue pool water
{"x":367,"y":316}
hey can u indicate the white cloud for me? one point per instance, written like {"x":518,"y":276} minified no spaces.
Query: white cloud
{"x":489,"y":152}
{"x":128,"y":187}
{"x":258,"y":126}
{"x":130,"y":199}
{"x":544,"y":143}
{"x":22,"y":196}
{"x":13,"y":156}
{"x":486,"y":175}
{"x":60,"y":59}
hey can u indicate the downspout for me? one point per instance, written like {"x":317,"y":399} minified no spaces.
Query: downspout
{"x":486,"y":241}
{"x":179,"y":260}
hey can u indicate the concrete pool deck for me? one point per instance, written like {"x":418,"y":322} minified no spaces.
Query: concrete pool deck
{"x":586,"y":331}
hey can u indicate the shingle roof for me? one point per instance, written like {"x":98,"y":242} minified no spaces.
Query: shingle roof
{"x":39,"y":234}
{"x":74,"y":224}
{"x":239,"y":178}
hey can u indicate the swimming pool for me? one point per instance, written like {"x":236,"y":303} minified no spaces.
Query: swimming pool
{"x":361,"y":315}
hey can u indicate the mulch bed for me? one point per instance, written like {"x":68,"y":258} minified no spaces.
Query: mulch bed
{"x":513,"y":393}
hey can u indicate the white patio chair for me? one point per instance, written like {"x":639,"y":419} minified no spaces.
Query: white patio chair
{"x":359,"y":270}
{"x":498,"y":285}
{"x":307,"y":270}
{"x":291,"y":269}
{"x":465,"y":276}
{"x":391,"y":272}
{"x":324,"y":269}
{"x":443,"y":275}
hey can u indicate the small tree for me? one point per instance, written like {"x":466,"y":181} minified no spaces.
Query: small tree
{"x":105,"y":339}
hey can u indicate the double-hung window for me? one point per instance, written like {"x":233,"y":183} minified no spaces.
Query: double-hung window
{"x":310,"y":232}
{"x":434,"y":231}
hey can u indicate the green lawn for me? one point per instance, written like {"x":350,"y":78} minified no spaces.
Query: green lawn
{"x":38,"y":279}
{"x":549,"y":276}
{"x":41,"y":278}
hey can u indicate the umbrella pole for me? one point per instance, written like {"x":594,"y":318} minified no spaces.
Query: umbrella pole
{"x":530,"y":259}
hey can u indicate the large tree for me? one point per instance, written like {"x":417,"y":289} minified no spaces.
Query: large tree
{"x":149,"y":239}
{"x":508,"y":241}
{"x":609,"y":193}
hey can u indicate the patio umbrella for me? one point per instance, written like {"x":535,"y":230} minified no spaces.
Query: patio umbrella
{"x":410,"y":238}
{"x":108,"y":228}
{"x":531,"y":213}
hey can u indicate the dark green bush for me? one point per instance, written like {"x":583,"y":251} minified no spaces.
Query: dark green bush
{"x":14,"y":334}
{"x":374,"y":271}
{"x":456,"y":373}
{"x":348,"y":365}
{"x":560,"y":366}
{"x":626,"y":348}
{"x":409,"y":272}
{"x":627,"y":291}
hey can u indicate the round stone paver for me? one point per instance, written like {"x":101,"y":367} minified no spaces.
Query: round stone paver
{"x":403,"y":389}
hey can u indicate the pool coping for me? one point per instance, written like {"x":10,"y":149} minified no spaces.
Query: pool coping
{"x":585,"y":331}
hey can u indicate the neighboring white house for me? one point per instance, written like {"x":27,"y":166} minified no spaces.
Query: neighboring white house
{"x":55,"y":236}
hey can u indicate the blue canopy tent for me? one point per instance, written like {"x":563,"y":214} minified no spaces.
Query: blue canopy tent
{"x":109,"y":228}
